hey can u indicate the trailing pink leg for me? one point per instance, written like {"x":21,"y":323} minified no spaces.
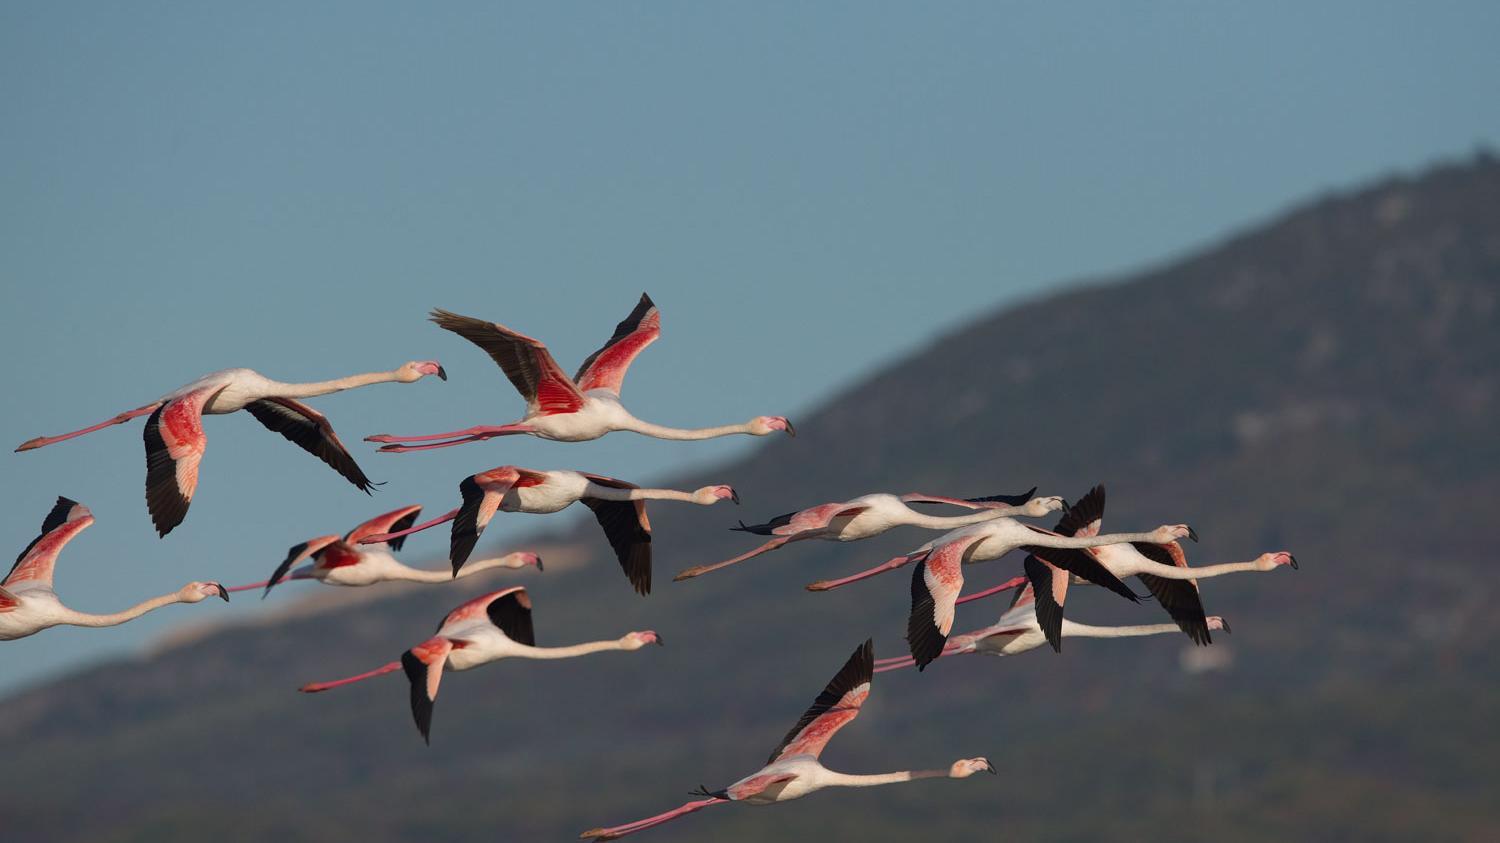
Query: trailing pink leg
{"x":899,"y":561}
{"x":120,"y":419}
{"x":385,"y":537}
{"x":477,"y":430}
{"x":703,"y":569}
{"x":641,"y":825}
{"x":295,"y":575}
{"x":316,"y":687}
{"x":1014,"y":582}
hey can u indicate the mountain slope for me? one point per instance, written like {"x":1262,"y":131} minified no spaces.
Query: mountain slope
{"x":1326,"y":383}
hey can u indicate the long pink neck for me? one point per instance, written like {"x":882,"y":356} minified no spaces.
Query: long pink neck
{"x":84,"y":619}
{"x":657,"y":431}
{"x":610,"y":493}
{"x":316,"y":388}
{"x":316,"y":687}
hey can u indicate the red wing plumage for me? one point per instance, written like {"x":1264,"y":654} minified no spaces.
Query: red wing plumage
{"x":834,"y":708}
{"x":309,"y":430}
{"x":174,"y":446}
{"x":605,"y":368}
{"x":525,"y":361}
{"x":296,"y":554}
{"x":66,"y":519}
{"x":391,"y":522}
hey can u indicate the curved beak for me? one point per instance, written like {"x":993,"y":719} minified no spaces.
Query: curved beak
{"x":1192,"y":534}
{"x":790,"y":431}
{"x":442,"y":373}
{"x":1294,"y":561}
{"x":659,"y":642}
{"x":734,"y":495}
{"x":990,"y":768}
{"x":537,"y":560}
{"x":223,"y":595}
{"x":1226,"y":626}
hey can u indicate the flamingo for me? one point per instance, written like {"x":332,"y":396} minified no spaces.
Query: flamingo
{"x":486,"y":629}
{"x":28,"y":604}
{"x":577,"y":410}
{"x":620,"y":508}
{"x":338,"y":561}
{"x":871,"y":515}
{"x":1162,"y":566}
{"x":1018,"y":631}
{"x":175,"y":439}
{"x":793,"y":770}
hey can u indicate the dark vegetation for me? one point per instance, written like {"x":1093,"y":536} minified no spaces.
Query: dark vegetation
{"x":1327,"y":383}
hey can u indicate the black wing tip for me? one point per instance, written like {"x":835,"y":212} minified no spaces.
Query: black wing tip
{"x":922,"y":636}
{"x":421,"y":706}
{"x":1012,"y":500}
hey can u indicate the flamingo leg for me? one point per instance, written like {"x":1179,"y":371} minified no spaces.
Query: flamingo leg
{"x":300,"y":574}
{"x":316,"y":687}
{"x":703,"y":569}
{"x":1014,"y":582}
{"x":385,"y":537}
{"x":899,"y":561}
{"x":649,"y":822}
{"x":470,"y":433}
{"x":126,"y":416}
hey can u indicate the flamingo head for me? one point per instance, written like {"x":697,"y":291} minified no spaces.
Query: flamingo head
{"x":1272,"y":561}
{"x":766,"y":425}
{"x":637,"y":640}
{"x":521,"y":560}
{"x":709,"y":495}
{"x":1217,"y":623}
{"x":418,"y":369}
{"x":197,"y":592}
{"x":1038,"y":507}
{"x":965,"y":767}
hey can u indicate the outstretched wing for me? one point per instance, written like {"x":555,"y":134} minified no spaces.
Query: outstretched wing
{"x":1049,"y":585}
{"x":525,"y":361}
{"x":833,"y":709}
{"x":391,"y":522}
{"x":988,"y":502}
{"x":482,"y":495}
{"x":1084,"y":518}
{"x":66,"y":519}
{"x":478,"y":609}
{"x":174,"y":446}
{"x":423,"y":665}
{"x":1085,"y":564}
{"x":935,"y":586}
{"x":628,"y":530}
{"x":296,"y":554}
{"x":605,"y":368}
{"x":309,"y":430}
{"x":1179,"y":597}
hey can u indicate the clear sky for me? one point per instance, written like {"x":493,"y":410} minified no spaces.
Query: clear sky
{"x":807,"y":190}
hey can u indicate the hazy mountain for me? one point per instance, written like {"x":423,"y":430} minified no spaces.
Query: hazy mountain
{"x":1326,"y":383}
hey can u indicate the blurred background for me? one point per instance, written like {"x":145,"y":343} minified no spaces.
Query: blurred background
{"x":1239,"y":263}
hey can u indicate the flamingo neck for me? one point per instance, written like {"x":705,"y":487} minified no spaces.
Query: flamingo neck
{"x":609,"y":493}
{"x":1049,"y":540}
{"x":469,"y":569}
{"x":939,"y":522}
{"x":572,"y":651}
{"x":1172,"y":572}
{"x":833,"y":779}
{"x":657,"y":431}
{"x":84,"y":619}
{"x":312,"y":390}
{"x":1083,"y":630}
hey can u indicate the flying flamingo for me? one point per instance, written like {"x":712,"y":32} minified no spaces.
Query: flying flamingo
{"x":485,"y":629}
{"x":1161,"y":565}
{"x":1018,"y":632}
{"x":338,"y":561}
{"x":175,"y":439}
{"x":28,"y":604}
{"x":586,"y":407}
{"x":871,"y":515}
{"x":793,"y":770}
{"x":620,"y":508}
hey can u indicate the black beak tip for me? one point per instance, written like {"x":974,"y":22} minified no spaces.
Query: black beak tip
{"x":1295,"y":566}
{"x":539,"y":564}
{"x":442,"y":373}
{"x":1227,"y":630}
{"x":659,"y":641}
{"x":790,"y":431}
{"x":990,"y":768}
{"x":1192,"y":534}
{"x":734,"y":496}
{"x":223,"y":595}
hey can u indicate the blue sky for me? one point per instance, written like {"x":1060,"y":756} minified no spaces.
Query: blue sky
{"x":807,"y":190}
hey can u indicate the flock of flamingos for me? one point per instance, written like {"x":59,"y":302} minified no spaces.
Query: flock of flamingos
{"x":587,"y":406}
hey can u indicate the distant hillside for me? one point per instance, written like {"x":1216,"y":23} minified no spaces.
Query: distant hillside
{"x":1327,"y":383}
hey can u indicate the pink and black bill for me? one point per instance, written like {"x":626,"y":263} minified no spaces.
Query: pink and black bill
{"x":857,"y":671}
{"x":923,"y":636}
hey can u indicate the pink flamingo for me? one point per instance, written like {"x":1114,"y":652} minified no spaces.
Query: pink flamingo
{"x":1018,"y":631}
{"x":938,"y":578}
{"x":28,"y":604}
{"x":619,"y":507}
{"x":485,"y":629}
{"x":338,"y":561}
{"x":793,"y":770}
{"x":175,"y":440}
{"x":1161,"y":565}
{"x":586,"y":407}
{"x":871,"y":515}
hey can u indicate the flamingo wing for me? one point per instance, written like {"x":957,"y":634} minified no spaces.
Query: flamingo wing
{"x":423,"y":665}
{"x":391,"y":522}
{"x":628,"y":529}
{"x":1084,"y":563}
{"x":989,"y":502}
{"x":525,"y":361}
{"x":66,"y":519}
{"x":605,"y":368}
{"x":8,"y":602}
{"x":1084,"y":518}
{"x":309,"y":430}
{"x":296,"y":554}
{"x":835,"y":707}
{"x":1049,"y":585}
{"x":174,"y":446}
{"x":482,"y":494}
{"x":478,"y":610}
{"x":1179,"y":597}
{"x":935,"y":586}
